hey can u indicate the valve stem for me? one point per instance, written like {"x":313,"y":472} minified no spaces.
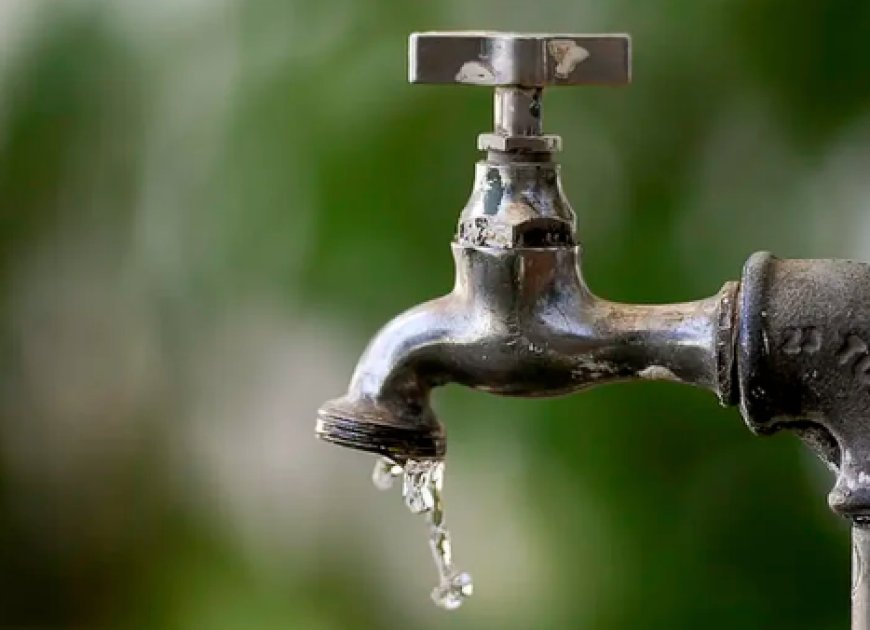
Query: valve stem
{"x":518,"y":111}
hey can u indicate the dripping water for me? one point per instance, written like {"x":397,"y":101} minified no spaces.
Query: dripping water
{"x":422,"y":488}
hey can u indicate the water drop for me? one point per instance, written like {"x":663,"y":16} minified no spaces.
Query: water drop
{"x":385,"y":473}
{"x":449,"y":594}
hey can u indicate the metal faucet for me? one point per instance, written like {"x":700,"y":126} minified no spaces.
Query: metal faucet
{"x":789,"y":343}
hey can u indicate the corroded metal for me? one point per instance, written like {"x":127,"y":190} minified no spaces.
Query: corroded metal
{"x":803,"y":363}
{"x":519,"y":322}
{"x":789,"y":344}
{"x":516,"y":204}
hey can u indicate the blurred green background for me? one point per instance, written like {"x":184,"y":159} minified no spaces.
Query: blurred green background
{"x":208,"y":206}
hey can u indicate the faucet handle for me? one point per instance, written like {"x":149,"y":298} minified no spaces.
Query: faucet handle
{"x":519,"y":59}
{"x":518,"y":66}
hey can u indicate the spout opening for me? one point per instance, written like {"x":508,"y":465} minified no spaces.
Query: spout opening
{"x":367,"y":426}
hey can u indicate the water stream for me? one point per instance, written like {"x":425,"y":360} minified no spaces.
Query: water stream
{"x":422,"y":491}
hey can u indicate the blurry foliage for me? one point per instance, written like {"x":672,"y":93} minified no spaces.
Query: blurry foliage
{"x":316,"y":178}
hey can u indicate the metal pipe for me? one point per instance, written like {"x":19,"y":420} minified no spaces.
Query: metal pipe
{"x":860,"y":578}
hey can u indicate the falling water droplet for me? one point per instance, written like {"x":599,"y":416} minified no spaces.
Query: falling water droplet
{"x":421,"y":489}
{"x":385,"y":473}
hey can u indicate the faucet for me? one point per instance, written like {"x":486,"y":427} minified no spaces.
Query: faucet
{"x":789,"y":344}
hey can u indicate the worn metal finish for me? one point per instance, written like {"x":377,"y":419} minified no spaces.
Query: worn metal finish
{"x":790,"y":344}
{"x":527,"y":59}
{"x":519,"y":322}
{"x":518,"y":65}
{"x":516,"y":204}
{"x":518,"y":122}
{"x":518,"y":111}
{"x":803,"y":363}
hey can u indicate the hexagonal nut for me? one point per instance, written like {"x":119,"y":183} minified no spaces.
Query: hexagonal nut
{"x":520,"y":144}
{"x":495,"y":232}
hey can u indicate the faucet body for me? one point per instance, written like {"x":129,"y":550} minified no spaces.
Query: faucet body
{"x":520,"y":321}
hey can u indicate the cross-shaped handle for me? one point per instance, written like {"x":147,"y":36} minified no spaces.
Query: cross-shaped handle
{"x":519,"y":66}
{"x":519,"y":59}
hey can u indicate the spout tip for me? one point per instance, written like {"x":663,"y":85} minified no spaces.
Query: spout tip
{"x":367,"y":426}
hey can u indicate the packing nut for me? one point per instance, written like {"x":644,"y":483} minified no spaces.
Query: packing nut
{"x":522,"y":144}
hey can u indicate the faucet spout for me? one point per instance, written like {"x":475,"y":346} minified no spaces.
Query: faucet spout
{"x":519,"y":322}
